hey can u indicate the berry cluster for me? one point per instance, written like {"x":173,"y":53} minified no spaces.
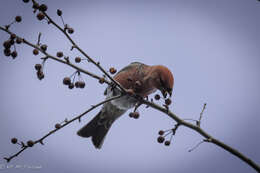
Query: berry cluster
{"x":39,"y":70}
{"x":134,"y":115}
{"x":71,"y":84}
{"x":8,"y":44}
{"x":30,"y":143}
{"x":164,"y":133}
{"x":166,"y":101}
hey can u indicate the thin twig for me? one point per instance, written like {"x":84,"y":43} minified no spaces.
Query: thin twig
{"x":39,"y":38}
{"x":201,"y":114}
{"x":8,"y":159}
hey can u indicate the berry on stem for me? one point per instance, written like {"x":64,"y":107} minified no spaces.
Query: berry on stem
{"x":136,"y":115}
{"x":43,"y":7}
{"x":71,"y":86}
{"x":38,"y":67}
{"x":35,"y":51}
{"x":30,"y":143}
{"x":168,"y":101}
{"x":18,"y":19}
{"x":77,"y":84}
{"x":14,"y":140}
{"x":131,"y":114}
{"x":112,"y":70}
{"x":35,"y":6}
{"x":59,"y":54}
{"x":14,"y":54}
{"x":44,"y":47}
{"x":167,"y":143}
{"x":70,"y":30}
{"x":19,"y":40}
{"x":161,"y":132}
{"x":57,"y":126}
{"x":66,"y":81}
{"x":7,"y":44}
{"x":40,"y":16}
{"x":77,"y":59}
{"x":40,"y":75}
{"x":59,"y":12}
{"x":7,"y":52}
{"x":160,"y":139}
{"x":12,"y":36}
{"x":81,"y":84}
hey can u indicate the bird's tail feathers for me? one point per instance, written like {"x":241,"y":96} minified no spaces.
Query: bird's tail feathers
{"x":97,"y":128}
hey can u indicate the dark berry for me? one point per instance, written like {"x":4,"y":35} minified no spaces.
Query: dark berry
{"x":157,"y":97}
{"x":7,"y":52}
{"x":101,"y":80}
{"x":71,"y":86}
{"x":81,"y":84}
{"x":44,"y":47}
{"x":43,"y":7}
{"x":59,"y":54}
{"x":77,"y":59}
{"x":38,"y":67}
{"x":30,"y":143}
{"x":131,"y":114}
{"x":14,"y":140}
{"x":35,"y":51}
{"x":40,"y":16}
{"x":11,"y":41}
{"x":136,"y":115}
{"x":25,"y":1}
{"x":59,"y":12}
{"x":66,"y":81}
{"x":57,"y":126}
{"x":18,"y":19}
{"x":77,"y":84}
{"x":19,"y":40}
{"x":167,"y":143}
{"x":161,"y":132}
{"x":12,"y":36}
{"x":168,"y":101}
{"x":14,"y":54}
{"x":35,"y":6}
{"x":40,"y":75}
{"x":160,"y":139}
{"x":70,"y":30}
{"x":7,"y":44}
{"x":112,"y":70}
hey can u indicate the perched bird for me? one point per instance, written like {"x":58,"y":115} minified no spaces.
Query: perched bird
{"x":142,"y":80}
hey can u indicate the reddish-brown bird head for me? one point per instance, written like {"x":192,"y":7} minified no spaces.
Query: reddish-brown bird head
{"x":163,"y":79}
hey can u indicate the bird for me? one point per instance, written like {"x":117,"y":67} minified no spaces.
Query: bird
{"x":137,"y":77}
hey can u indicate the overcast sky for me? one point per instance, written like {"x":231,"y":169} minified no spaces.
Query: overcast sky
{"x":212,"y":48}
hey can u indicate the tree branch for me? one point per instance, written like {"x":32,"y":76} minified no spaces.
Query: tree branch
{"x":165,"y":110}
{"x":24,"y":147}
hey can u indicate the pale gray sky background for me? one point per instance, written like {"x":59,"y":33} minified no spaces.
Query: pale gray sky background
{"x":212,"y":47}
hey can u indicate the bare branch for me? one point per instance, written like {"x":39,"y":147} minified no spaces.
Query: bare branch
{"x":24,"y":147}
